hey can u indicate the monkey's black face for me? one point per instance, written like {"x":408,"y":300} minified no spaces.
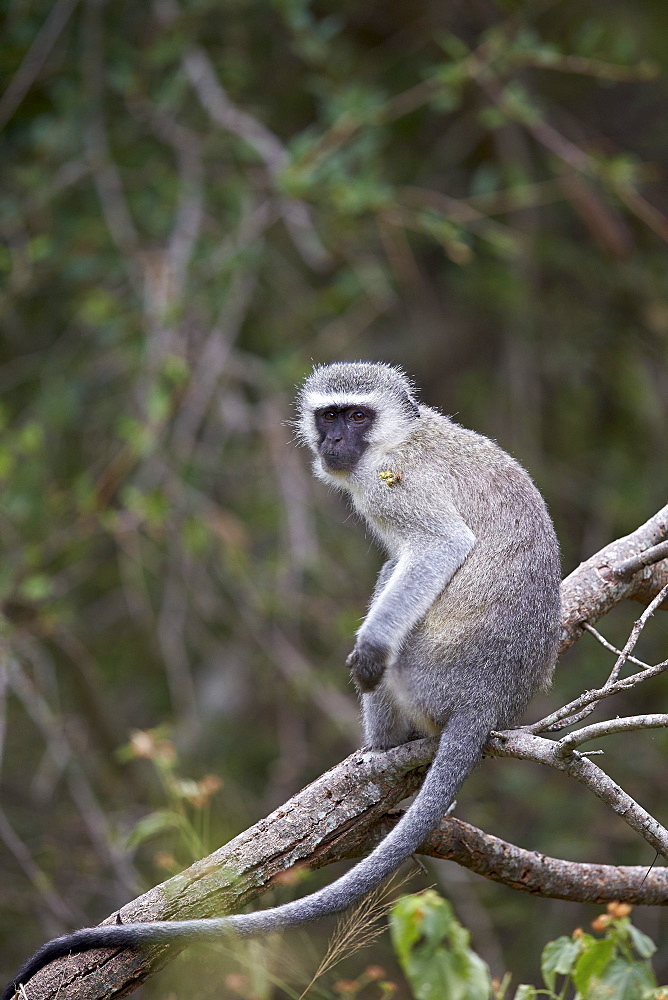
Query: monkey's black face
{"x":343,"y":435}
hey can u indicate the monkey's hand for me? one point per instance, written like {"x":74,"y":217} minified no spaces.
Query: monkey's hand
{"x":367,"y":663}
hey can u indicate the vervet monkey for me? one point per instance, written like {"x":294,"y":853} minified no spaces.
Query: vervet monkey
{"x":463,"y":623}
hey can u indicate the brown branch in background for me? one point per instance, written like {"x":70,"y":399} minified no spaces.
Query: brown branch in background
{"x":579,"y":160}
{"x":48,"y":896}
{"x":596,"y":68}
{"x":227,"y":115}
{"x":63,"y":755}
{"x":105,"y":172}
{"x":643,"y":210}
{"x":216,"y":102}
{"x":188,"y":215}
{"x":212,"y":361}
{"x":214,"y":99}
{"x":606,"y":225}
{"x":35,"y":57}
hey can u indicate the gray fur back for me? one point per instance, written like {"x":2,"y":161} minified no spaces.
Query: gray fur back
{"x":497,"y":622}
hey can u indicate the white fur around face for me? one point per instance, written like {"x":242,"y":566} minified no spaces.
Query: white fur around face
{"x":383,"y":388}
{"x":390,"y":428}
{"x":321,"y":400}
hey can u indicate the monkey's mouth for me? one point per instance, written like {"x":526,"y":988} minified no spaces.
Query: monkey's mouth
{"x":337,"y":461}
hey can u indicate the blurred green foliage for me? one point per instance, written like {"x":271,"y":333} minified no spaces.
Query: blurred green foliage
{"x":433,"y":949}
{"x":199,"y":200}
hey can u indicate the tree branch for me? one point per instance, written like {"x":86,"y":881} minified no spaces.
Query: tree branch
{"x":35,"y":57}
{"x":655,"y":554}
{"x":610,"y":726}
{"x":592,"y":589}
{"x":538,"y":874}
{"x":348,"y":809}
{"x":326,"y":821}
{"x":526,"y":746}
{"x":273,"y":154}
{"x":342,"y":815}
{"x":583,"y":706}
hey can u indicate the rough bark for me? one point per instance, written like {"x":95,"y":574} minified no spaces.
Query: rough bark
{"x":592,"y":589}
{"x":541,"y":875}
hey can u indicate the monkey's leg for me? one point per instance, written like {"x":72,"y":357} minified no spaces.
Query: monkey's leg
{"x":385,"y":725}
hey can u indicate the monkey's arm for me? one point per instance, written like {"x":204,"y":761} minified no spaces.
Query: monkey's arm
{"x":386,"y":571}
{"x":419,"y":573}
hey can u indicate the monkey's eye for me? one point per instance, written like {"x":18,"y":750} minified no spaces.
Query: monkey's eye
{"x":357,"y":416}
{"x":329,"y":415}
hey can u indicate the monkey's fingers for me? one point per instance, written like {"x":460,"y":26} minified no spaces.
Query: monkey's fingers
{"x":367,"y":663}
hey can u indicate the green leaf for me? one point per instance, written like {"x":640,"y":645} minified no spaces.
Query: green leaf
{"x":7,"y":461}
{"x":641,"y":942}
{"x":559,"y":958}
{"x":139,"y":436}
{"x":154,"y":824}
{"x":36,"y":588}
{"x":433,"y":949}
{"x":525,"y":992}
{"x":492,"y":117}
{"x":31,"y":437}
{"x":622,"y":980}
{"x":158,"y":403}
{"x":520,"y":105}
{"x":598,"y":955}
{"x":453,"y":46}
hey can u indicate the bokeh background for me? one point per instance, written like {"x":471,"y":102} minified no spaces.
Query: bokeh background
{"x":200,"y":199}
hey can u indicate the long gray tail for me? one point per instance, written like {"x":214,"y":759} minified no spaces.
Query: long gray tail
{"x":459,"y":750}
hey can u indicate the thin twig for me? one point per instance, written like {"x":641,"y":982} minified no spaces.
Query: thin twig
{"x":38,"y":878}
{"x":94,"y":818}
{"x":613,"y":649}
{"x":526,"y":746}
{"x":199,"y":70}
{"x":597,"y":68}
{"x":593,"y":588}
{"x":189,"y":209}
{"x":578,"y":709}
{"x":626,"y":724}
{"x":561,"y":717}
{"x":212,"y":360}
{"x":634,"y":635}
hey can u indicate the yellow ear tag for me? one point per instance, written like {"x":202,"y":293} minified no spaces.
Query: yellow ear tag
{"x":390,"y":478}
